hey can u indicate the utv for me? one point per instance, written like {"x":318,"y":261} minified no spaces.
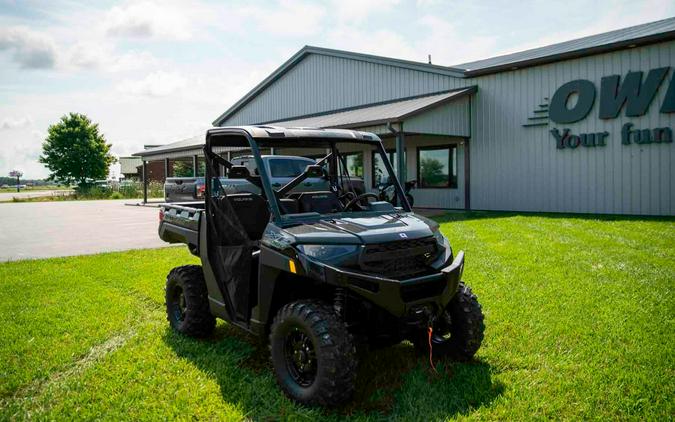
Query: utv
{"x":317,"y":272}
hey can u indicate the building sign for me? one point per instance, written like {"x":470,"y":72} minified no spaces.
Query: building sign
{"x":634,"y":94}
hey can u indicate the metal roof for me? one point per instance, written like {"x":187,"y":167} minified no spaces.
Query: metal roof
{"x":627,"y":37}
{"x":636,"y":35}
{"x":308,"y":49}
{"x":184,"y":144}
{"x":375,"y":114}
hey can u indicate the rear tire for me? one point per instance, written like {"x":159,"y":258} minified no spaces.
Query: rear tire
{"x":458,"y":332}
{"x":187,"y":302}
{"x":313,"y":354}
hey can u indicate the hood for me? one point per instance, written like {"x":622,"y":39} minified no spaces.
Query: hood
{"x":364,"y":230}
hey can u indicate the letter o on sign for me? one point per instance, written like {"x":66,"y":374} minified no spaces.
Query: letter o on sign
{"x":558,"y":111}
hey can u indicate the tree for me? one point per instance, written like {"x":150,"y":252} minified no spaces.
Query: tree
{"x":75,"y":151}
{"x":433,"y":172}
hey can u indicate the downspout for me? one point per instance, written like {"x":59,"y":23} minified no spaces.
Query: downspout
{"x":400,"y":148}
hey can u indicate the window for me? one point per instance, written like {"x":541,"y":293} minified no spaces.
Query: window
{"x":437,"y":167}
{"x":378,"y":166}
{"x":285,"y":167}
{"x":354,"y":162}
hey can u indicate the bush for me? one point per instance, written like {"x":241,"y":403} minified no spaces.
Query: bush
{"x":86,"y":191}
{"x":117,"y":195}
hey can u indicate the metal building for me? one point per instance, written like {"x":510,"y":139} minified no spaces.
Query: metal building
{"x":583,"y":126}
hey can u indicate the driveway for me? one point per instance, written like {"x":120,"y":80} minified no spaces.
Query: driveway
{"x":51,"y":229}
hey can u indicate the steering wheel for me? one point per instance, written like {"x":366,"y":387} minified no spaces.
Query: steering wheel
{"x":355,"y":201}
{"x":349,"y":195}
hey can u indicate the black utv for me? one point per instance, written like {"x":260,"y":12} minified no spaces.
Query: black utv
{"x":319,"y":271}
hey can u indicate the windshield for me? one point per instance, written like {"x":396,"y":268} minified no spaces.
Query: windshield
{"x":309,"y":178}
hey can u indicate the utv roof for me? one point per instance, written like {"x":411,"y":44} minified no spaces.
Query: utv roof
{"x":278,"y":132}
{"x":194,"y":144}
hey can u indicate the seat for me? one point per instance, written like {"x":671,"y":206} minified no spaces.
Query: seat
{"x":252,"y":211}
{"x":323,"y":202}
{"x":289,"y":206}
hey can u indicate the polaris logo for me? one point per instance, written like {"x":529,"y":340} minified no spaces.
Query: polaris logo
{"x":242,"y":199}
{"x":403,"y":235}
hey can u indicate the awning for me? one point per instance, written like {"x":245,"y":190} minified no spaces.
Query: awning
{"x":377,"y":114}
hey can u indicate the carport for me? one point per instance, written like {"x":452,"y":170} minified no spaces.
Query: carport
{"x":186,"y":155}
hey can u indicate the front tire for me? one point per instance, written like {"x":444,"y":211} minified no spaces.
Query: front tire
{"x":187,"y":302}
{"x":313,"y":354}
{"x":458,"y":332}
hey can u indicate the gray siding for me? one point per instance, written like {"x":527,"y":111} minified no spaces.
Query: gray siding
{"x":512,"y":167}
{"x":518,"y":168}
{"x":321,"y":83}
{"x":452,"y":118}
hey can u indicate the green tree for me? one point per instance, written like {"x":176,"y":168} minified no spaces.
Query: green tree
{"x":432,"y":172}
{"x":75,"y":150}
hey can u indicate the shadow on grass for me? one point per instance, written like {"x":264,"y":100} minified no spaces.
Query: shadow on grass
{"x":480,"y":215}
{"x":395,"y":381}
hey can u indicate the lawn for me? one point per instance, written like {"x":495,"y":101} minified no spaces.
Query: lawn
{"x":580,"y":318}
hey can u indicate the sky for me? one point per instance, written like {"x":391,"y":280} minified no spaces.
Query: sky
{"x":154,"y":72}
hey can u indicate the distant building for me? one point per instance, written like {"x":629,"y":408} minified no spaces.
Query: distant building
{"x":132,"y":167}
{"x":129,"y":167}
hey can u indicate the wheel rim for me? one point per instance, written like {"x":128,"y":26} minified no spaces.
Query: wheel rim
{"x":442,"y":329}
{"x":300,"y":357}
{"x":178,"y":305}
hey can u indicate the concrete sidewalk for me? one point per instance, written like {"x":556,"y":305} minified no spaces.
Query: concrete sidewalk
{"x":64,"y":228}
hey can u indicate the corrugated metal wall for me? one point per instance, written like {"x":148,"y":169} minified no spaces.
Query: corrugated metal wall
{"x":512,"y":167}
{"x":336,"y":83}
{"x":452,"y":118}
{"x":519,"y":168}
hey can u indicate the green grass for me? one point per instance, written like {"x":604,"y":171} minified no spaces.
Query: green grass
{"x":580,"y":320}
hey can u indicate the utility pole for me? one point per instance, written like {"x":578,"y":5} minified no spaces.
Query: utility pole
{"x":17,"y":174}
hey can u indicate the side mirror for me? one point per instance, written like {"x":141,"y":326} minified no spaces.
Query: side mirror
{"x":314,"y":170}
{"x":238,"y":172}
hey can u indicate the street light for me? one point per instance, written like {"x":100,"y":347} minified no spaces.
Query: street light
{"x":17,"y":174}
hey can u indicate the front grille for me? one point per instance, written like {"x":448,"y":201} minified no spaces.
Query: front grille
{"x":423,"y":290}
{"x":399,"y":259}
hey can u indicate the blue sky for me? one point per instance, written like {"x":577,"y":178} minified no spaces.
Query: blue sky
{"x":155,"y":72}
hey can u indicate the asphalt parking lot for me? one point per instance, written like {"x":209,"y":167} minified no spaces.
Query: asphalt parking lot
{"x":64,"y":228}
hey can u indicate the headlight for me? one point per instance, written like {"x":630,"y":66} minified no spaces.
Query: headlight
{"x":439,"y":237}
{"x":326,"y":251}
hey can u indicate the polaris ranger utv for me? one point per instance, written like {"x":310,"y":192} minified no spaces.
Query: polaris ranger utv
{"x":317,"y":272}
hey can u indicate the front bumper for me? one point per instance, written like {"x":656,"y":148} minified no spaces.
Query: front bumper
{"x":400,"y":298}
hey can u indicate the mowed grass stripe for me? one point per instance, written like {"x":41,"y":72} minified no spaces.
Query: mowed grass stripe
{"x":579,"y":315}
{"x":60,"y":308}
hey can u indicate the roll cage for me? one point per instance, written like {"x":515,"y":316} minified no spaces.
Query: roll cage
{"x":257,"y":137}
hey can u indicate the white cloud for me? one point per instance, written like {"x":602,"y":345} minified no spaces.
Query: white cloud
{"x":30,"y":49}
{"x":289,"y":18}
{"x":448,"y":45}
{"x":149,"y":20}
{"x":357,"y":11}
{"x":21,"y":122}
{"x":156,"y":84}
{"x":105,"y":57}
